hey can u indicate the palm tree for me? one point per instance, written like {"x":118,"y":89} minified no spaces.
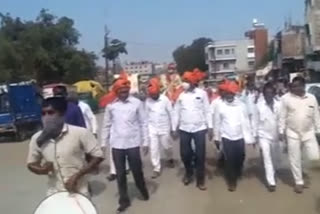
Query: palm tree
{"x":112,"y":51}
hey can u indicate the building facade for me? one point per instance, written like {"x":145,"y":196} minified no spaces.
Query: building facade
{"x":228,"y":58}
{"x":312,"y":49}
{"x":259,"y":34}
{"x":143,"y":67}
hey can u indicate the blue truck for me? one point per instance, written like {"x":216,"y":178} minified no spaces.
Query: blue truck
{"x":20,"y":110}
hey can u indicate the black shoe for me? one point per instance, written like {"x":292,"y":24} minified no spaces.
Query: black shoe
{"x":112,"y":177}
{"x":155,"y":174}
{"x":272,"y":188}
{"x":298,"y":189}
{"x":123,"y":207}
{"x":202,"y":187}
{"x":145,"y":196}
{"x":187,"y":180}
{"x":232,"y":187}
{"x":170,"y":163}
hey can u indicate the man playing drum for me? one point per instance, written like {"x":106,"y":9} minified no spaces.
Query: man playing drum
{"x":58,"y":150}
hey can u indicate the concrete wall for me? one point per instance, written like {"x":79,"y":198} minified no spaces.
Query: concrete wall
{"x":242,"y":55}
{"x":313,"y":23}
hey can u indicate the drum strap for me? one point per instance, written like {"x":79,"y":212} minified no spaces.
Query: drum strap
{"x":62,"y":177}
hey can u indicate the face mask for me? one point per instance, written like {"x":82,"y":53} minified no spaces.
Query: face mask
{"x":52,"y":127}
{"x":186,"y":86}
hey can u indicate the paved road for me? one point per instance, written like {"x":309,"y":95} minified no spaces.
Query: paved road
{"x":21,"y":191}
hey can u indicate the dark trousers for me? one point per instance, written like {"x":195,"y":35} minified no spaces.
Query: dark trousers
{"x":134,"y":159}
{"x":187,"y":154}
{"x":234,"y":154}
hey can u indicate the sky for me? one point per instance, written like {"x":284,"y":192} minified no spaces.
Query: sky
{"x":153,"y":29}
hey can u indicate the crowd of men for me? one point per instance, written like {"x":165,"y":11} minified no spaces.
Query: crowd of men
{"x":67,"y":152}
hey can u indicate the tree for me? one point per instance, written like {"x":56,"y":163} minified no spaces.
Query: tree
{"x":193,"y":56}
{"x":43,"y":49}
{"x":113,"y":51}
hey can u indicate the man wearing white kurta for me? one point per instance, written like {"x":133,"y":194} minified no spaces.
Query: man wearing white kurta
{"x":265,"y":120}
{"x":160,"y":114}
{"x":89,"y":117}
{"x":299,"y":123}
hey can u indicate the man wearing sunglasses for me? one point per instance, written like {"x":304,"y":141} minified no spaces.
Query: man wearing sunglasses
{"x":58,"y":150}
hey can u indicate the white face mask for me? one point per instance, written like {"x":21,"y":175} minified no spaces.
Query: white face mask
{"x":186,"y":86}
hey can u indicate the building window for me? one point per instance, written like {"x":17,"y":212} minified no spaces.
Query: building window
{"x":226,"y":66}
{"x":251,"y":64}
{"x":250,"y":50}
{"x":232,"y":50}
{"x":219,"y":52}
{"x":226,"y":51}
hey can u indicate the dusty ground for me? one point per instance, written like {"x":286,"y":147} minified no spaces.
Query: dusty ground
{"x":21,"y":191}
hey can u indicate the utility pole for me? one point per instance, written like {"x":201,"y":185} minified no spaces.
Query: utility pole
{"x":106,"y":46}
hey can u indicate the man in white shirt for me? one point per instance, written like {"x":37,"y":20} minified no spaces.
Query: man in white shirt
{"x":265,"y":120}
{"x":193,"y":118}
{"x":298,"y":125}
{"x":213,"y":106}
{"x":232,"y":127}
{"x":160,"y":114}
{"x":249,"y":96}
{"x":89,"y":117}
{"x":125,"y":129}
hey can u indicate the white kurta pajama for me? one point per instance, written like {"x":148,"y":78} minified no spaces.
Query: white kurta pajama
{"x":265,"y":127}
{"x":160,"y":115}
{"x":300,"y":121}
{"x":89,"y":117}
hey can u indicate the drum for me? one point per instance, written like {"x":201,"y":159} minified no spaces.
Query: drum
{"x":66,"y":203}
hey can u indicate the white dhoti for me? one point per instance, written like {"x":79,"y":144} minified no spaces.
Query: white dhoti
{"x":158,"y":141}
{"x":296,"y":147}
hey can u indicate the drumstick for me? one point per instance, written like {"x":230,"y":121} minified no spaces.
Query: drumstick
{"x":62,"y":179}
{"x":79,"y":205}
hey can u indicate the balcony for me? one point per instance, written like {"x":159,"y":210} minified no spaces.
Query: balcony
{"x":224,"y":57}
{"x":226,"y":71}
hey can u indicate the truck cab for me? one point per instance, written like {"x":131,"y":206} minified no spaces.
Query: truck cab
{"x":20,"y":110}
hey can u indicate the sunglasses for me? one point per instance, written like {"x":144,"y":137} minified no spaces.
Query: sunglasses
{"x":49,"y":112}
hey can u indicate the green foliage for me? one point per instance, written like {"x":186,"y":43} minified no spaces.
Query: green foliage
{"x":193,"y":56}
{"x":115,"y":48}
{"x":43,"y":49}
{"x":113,"y":51}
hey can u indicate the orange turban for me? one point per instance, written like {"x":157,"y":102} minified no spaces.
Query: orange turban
{"x":154,"y":86}
{"x":194,"y":76}
{"x":121,"y":83}
{"x":229,"y":86}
